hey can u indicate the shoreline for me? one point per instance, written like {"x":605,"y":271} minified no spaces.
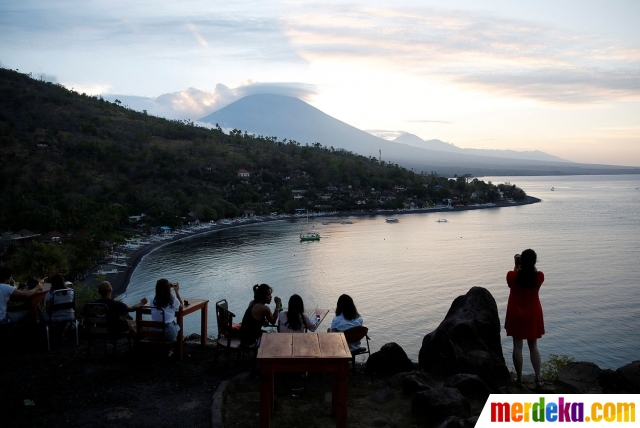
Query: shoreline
{"x":120,"y":281}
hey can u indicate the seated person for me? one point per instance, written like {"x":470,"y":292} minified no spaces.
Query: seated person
{"x":258,"y":314}
{"x":168,"y":305}
{"x":118,"y":319}
{"x":347,"y":316}
{"x":58,"y":283}
{"x":6,"y":292}
{"x":294,"y":319}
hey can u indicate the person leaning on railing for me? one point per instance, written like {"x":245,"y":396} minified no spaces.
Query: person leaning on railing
{"x":6,"y":292}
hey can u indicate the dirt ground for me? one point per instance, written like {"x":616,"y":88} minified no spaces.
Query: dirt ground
{"x":66,"y":388}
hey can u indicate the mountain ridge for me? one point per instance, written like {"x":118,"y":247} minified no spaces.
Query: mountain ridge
{"x":293,"y":119}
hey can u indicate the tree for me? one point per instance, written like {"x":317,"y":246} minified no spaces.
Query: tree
{"x":41,"y":260}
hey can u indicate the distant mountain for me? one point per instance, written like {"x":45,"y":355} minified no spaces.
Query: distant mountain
{"x":286,"y":117}
{"x":414,"y":140}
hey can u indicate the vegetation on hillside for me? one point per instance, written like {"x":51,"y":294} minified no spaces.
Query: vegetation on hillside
{"x":72,"y":162}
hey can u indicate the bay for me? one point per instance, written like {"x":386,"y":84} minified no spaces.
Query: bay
{"x":404,"y":276}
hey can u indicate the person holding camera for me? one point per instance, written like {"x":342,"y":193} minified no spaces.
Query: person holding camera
{"x":164,"y":302}
{"x":524,"y":318}
{"x":258,"y":314}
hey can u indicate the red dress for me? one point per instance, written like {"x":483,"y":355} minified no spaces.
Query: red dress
{"x":524,"y":311}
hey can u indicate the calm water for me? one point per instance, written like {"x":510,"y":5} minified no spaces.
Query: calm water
{"x":404,"y":276}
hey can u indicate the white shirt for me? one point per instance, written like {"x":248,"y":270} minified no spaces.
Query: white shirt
{"x":284,"y":328}
{"x":169,"y":312}
{"x":6,"y":291}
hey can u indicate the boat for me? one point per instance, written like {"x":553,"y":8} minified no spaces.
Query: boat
{"x":392,"y":220}
{"x":309,"y":236}
{"x":552,"y":189}
{"x":106,"y":271}
{"x":116,"y":263}
{"x":442,"y":220}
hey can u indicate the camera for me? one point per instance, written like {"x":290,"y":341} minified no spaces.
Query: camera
{"x":517,"y":257}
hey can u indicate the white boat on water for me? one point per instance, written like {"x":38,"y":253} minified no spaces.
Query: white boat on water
{"x":392,"y":220}
{"x":106,"y":271}
{"x":552,"y":188}
{"x":117,"y":263}
{"x":442,"y":220}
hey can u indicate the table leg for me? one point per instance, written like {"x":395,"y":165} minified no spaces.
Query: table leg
{"x":339,"y":394}
{"x":266,"y":395}
{"x":203,"y":324}
{"x":180,"y":338}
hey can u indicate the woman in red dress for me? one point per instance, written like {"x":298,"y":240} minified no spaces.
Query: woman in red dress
{"x":524,"y":312}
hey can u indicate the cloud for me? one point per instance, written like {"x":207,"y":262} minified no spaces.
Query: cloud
{"x":473,"y":49}
{"x":385,"y":133}
{"x":444,"y":122}
{"x":195,"y":103}
{"x":87,"y":88}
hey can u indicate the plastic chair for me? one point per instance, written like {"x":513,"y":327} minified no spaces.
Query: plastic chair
{"x":227,"y":335}
{"x":97,"y":328}
{"x":59,"y":312}
{"x":356,"y":334}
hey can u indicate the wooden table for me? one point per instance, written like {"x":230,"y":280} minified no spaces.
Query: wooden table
{"x":194,"y":306}
{"x":304,"y":352}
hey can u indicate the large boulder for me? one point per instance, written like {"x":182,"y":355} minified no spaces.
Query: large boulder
{"x":390,"y":359}
{"x":438,"y":404}
{"x":580,"y":377}
{"x":631,"y":375}
{"x":471,"y":386}
{"x":467,"y":341}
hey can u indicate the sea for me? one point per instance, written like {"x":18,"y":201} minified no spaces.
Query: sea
{"x":404,"y":276}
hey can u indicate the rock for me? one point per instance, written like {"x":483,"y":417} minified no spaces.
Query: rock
{"x":390,"y":359}
{"x":631,"y":374}
{"x":415,"y":381}
{"x":383,"y":395}
{"x":612,"y":382}
{"x":579,"y":378}
{"x":468,"y":341}
{"x":439,"y":403}
{"x":453,"y":422}
{"x":471,"y":386}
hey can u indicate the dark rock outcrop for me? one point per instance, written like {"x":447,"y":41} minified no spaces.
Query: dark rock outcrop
{"x":390,"y":359}
{"x":467,"y":341}
{"x":631,"y":375}
{"x":438,"y":404}
{"x":415,"y":381}
{"x":471,"y":386}
{"x":580,"y":377}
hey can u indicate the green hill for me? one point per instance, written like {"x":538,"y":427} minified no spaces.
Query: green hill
{"x":72,"y":162}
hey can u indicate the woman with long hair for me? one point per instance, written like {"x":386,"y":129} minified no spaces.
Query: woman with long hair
{"x":258,"y":314}
{"x":58,"y":283}
{"x":524,"y":320}
{"x":347,"y":316}
{"x":294,"y":319}
{"x":168,"y":305}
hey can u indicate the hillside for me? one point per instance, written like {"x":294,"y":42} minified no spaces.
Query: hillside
{"x":74,"y":162}
{"x":287,"y":117}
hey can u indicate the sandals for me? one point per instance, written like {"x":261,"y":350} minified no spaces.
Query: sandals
{"x":539,"y":383}
{"x":518,"y":383}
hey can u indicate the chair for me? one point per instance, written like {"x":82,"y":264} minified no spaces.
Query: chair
{"x":151,"y":333}
{"x":97,"y":328}
{"x":62,"y":301}
{"x":227,"y":335}
{"x":356,"y":334}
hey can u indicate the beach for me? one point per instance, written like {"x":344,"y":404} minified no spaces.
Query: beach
{"x":120,"y":281}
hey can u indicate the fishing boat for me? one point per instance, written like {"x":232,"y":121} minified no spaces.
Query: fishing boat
{"x":106,"y":271}
{"x":117,"y":263}
{"x":392,"y":220}
{"x":309,"y":236}
{"x":442,"y":220}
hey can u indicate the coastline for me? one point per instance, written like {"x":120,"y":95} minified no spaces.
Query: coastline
{"x":120,"y":281}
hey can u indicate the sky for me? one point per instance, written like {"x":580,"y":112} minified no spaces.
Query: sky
{"x":560,"y":76}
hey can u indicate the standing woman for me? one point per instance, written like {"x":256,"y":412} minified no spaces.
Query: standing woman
{"x":347,"y":316}
{"x":524,"y":312}
{"x":169,"y":305}
{"x":258,"y":314}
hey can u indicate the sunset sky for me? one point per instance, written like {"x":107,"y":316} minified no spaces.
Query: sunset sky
{"x":561,"y":76}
